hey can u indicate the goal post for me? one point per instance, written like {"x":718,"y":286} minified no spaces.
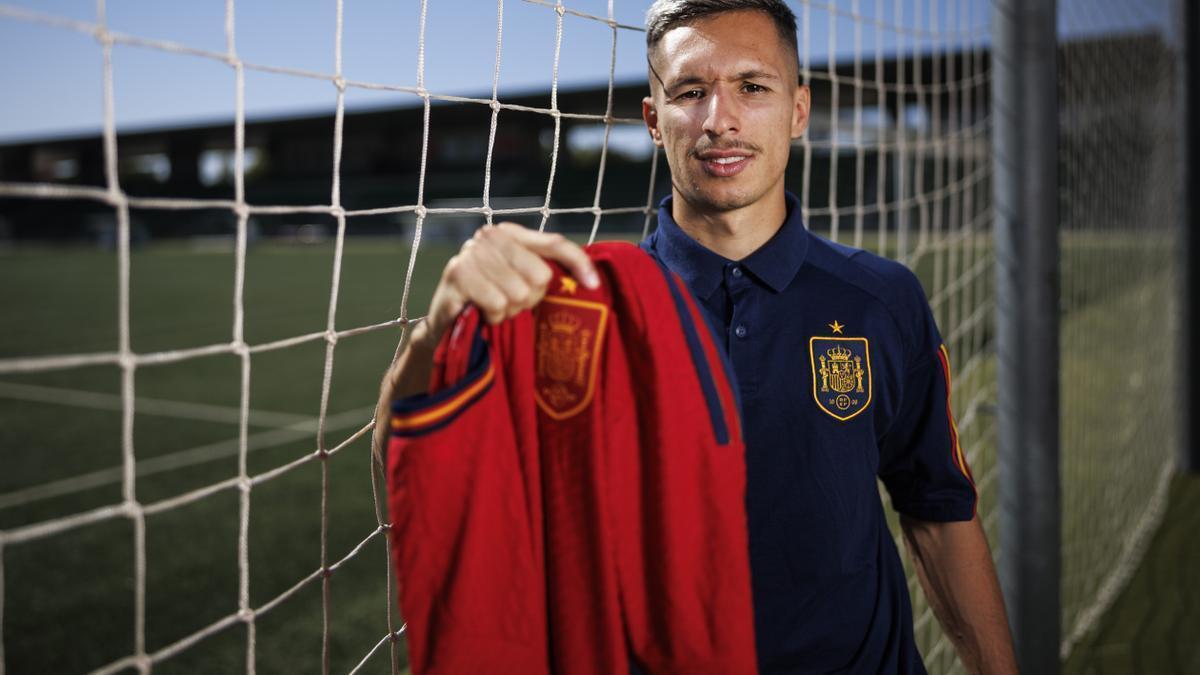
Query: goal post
{"x":1188,"y":14}
{"x":1025,"y":114}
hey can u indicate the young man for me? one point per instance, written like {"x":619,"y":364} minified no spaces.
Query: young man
{"x":841,"y":371}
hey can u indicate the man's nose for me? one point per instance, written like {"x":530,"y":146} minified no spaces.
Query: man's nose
{"x":721,"y":115}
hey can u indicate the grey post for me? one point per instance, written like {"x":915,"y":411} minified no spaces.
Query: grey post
{"x":1189,"y":16}
{"x":1025,"y":194}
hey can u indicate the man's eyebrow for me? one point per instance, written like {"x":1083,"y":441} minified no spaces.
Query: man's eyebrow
{"x":756,"y":75}
{"x":752,"y":74}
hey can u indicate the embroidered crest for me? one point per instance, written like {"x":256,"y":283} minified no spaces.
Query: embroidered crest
{"x":569,"y":336}
{"x":841,"y":368}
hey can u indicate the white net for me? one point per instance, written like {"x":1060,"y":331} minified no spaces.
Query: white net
{"x":292,"y":563}
{"x":1118,"y":164}
{"x":30,"y":621}
{"x":898,"y":160}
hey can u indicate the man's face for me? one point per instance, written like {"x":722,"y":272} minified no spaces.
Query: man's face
{"x":726,"y":109}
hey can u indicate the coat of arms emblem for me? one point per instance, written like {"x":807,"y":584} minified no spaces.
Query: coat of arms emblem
{"x":841,"y":368}
{"x":567,"y":350}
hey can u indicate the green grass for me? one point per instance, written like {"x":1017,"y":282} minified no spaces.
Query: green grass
{"x":68,"y":599}
{"x":68,"y":603}
{"x":1153,"y":624}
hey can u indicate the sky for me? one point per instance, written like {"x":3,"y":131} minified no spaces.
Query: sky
{"x":51,"y":77}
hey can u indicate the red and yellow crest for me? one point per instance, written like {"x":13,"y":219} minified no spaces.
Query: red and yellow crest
{"x":569,"y":336}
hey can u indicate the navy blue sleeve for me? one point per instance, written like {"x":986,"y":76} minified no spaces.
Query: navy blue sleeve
{"x":463,"y":368}
{"x":922,"y":463}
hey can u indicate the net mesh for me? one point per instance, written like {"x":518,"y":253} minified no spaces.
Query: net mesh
{"x":897,"y":160}
{"x":1118,"y":176}
{"x":137,"y":509}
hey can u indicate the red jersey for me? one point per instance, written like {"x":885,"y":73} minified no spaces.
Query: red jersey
{"x":569,"y":497}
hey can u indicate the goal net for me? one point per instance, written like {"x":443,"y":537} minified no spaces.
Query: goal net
{"x":190,"y":480}
{"x":1118,"y":195}
{"x":897,"y":160}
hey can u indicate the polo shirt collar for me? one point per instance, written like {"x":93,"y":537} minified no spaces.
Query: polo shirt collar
{"x":775,"y":263}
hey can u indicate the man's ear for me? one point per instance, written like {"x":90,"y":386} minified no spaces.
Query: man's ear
{"x":650,"y":116}
{"x":802,"y":104}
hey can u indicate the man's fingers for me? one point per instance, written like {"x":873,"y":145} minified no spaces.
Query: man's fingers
{"x":528,"y":264}
{"x":501,"y":272}
{"x":481,"y":291}
{"x":559,"y":249}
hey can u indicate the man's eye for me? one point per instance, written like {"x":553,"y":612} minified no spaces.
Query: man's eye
{"x":752,"y":88}
{"x":691,"y":94}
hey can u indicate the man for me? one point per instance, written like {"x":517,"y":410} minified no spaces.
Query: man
{"x":841,"y":371}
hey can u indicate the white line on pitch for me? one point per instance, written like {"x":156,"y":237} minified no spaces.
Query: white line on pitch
{"x":147,"y":406}
{"x":185,"y":458}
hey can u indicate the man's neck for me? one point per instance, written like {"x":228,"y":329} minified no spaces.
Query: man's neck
{"x":731,"y":234}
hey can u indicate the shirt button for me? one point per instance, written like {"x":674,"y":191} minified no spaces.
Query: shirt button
{"x":740,"y":331}
{"x":737,"y":274}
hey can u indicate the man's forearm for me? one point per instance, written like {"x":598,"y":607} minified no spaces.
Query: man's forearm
{"x":954,"y":565}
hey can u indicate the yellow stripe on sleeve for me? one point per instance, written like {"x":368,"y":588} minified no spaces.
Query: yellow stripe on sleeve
{"x":960,"y":458}
{"x":437,"y":414}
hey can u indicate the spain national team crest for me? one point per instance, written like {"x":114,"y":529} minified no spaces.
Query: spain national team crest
{"x":841,"y":368}
{"x":569,"y":336}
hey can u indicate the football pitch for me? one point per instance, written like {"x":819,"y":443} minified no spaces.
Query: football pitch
{"x":69,"y":598}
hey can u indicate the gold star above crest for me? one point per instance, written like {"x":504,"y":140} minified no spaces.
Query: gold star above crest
{"x":836,"y":327}
{"x":568,"y":285}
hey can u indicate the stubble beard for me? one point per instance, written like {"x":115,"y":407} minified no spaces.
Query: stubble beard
{"x":716,"y":201}
{"x":713,"y":194}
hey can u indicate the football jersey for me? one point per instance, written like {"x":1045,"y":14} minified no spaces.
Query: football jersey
{"x":568,"y":497}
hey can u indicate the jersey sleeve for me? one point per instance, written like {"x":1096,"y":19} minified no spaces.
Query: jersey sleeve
{"x":463,"y":543}
{"x":462,"y":374}
{"x":922,"y":463}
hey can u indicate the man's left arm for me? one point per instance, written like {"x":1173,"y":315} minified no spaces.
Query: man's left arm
{"x":954,"y":564}
{"x":926,"y":472}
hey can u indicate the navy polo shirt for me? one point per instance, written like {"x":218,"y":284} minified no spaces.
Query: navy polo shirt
{"x":843,"y":379}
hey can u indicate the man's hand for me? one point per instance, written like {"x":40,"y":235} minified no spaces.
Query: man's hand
{"x":502,"y":272}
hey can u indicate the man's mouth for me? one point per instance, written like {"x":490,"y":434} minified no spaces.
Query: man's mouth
{"x":724,"y":164}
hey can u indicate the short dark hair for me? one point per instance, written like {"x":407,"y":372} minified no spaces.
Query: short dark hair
{"x":664,"y":15}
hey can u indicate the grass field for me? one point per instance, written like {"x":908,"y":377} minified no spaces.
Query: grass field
{"x":68,"y":599}
{"x":1152,"y":627}
{"x":68,"y":603}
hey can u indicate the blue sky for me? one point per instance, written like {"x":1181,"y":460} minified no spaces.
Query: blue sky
{"x":51,"y":77}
